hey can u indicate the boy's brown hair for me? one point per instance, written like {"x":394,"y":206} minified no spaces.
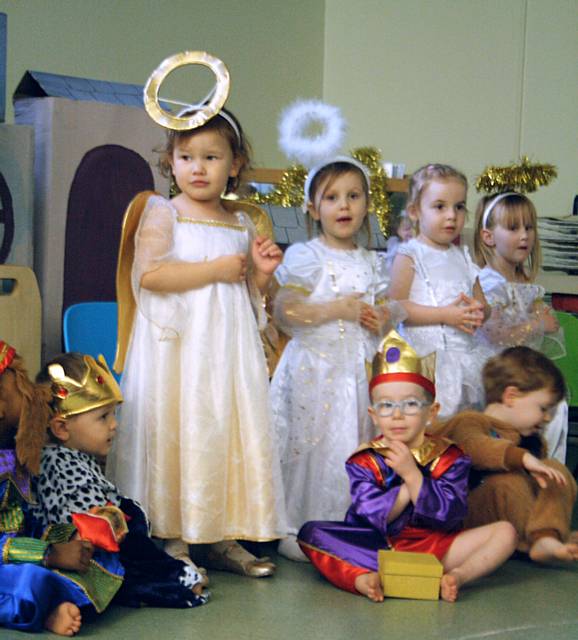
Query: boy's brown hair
{"x":524,"y":368}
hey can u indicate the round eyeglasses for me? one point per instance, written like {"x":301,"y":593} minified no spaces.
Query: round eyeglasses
{"x":408,"y":407}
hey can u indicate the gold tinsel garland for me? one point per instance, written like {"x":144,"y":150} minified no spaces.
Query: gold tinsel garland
{"x":524,"y":177}
{"x":289,"y":191}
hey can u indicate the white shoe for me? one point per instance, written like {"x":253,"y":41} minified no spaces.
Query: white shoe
{"x":289,"y":547}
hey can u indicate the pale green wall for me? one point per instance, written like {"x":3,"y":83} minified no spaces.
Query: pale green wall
{"x":468,"y":82}
{"x":273,"y":48}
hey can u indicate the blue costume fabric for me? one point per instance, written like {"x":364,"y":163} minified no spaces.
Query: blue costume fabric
{"x":28,"y":590}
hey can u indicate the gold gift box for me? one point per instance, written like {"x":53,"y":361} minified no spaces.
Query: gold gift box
{"x":405,"y":574}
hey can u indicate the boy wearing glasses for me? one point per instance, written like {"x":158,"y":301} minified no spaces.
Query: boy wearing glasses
{"x":408,"y":490}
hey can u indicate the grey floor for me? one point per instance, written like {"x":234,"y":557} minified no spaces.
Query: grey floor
{"x":520,"y":601}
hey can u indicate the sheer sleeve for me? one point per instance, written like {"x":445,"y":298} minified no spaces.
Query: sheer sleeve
{"x":154,"y":244}
{"x":154,"y":238}
{"x":513,"y":321}
{"x":297,"y":277}
{"x":255,"y":295}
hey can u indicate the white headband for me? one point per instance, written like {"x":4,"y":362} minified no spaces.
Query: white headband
{"x":492,"y":204}
{"x":191,"y":108}
{"x":315,"y":170}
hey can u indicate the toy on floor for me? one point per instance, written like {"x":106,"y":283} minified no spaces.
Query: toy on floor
{"x":408,"y":490}
{"x":404,"y":574}
{"x":512,"y":478}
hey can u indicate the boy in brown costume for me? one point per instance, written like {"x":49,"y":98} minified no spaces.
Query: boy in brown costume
{"x":511,"y":477}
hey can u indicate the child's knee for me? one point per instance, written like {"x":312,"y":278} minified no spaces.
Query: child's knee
{"x":506,"y":533}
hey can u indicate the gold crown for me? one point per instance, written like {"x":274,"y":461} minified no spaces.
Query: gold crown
{"x":97,"y":388}
{"x":397,"y":361}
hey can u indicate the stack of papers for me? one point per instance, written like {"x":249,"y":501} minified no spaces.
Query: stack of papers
{"x":559,"y":241}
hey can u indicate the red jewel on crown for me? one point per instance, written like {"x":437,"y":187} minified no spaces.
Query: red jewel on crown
{"x":100,"y":379}
{"x":61,"y":392}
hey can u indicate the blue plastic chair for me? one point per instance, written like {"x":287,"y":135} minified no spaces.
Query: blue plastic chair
{"x":91,"y":328}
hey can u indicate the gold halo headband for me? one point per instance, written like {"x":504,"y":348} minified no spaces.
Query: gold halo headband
{"x":202,"y":112}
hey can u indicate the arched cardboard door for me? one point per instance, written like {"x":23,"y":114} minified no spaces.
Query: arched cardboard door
{"x":107,"y":179}
{"x":6,"y":220}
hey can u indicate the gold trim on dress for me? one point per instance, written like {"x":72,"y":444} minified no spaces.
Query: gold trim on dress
{"x":298,"y":288}
{"x":124,"y":292}
{"x":212,"y":223}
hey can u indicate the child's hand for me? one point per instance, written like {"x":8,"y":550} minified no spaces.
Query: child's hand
{"x":541,"y":472}
{"x":374,"y":318}
{"x":74,"y":555}
{"x":266,"y":255}
{"x":231,"y":268}
{"x":464,"y":313}
{"x":400,"y":459}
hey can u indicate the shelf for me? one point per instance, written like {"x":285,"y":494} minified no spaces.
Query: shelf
{"x":558,"y":282}
{"x":273,"y":176}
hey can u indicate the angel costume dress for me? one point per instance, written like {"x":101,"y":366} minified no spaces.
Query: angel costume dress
{"x":195,"y":445}
{"x":440,"y":276}
{"x":515,"y":305}
{"x":342,"y":551}
{"x":319,"y":391}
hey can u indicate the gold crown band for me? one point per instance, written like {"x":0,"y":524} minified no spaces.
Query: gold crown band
{"x":397,"y":361}
{"x":96,"y":389}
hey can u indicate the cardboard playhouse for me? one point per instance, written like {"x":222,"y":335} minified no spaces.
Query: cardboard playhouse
{"x":93,"y":151}
{"x":19,"y":296}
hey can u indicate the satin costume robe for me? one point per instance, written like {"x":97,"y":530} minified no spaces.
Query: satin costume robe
{"x":341,"y":551}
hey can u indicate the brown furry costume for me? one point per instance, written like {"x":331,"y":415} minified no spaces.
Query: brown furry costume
{"x":500,"y":487}
{"x":25,"y":428}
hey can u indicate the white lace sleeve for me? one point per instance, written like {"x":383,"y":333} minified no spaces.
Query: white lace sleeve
{"x":254,"y":293}
{"x":154,"y":244}
{"x":297,"y":277}
{"x":397,"y":311}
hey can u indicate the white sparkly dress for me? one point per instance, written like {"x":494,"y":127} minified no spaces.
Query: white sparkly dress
{"x":319,"y":392}
{"x":195,"y":444}
{"x":439,"y":278}
{"x":514,"y":306}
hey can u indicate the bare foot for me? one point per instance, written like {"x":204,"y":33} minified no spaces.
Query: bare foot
{"x":368,"y":584}
{"x":65,"y":620}
{"x":449,"y":587}
{"x":549,"y":549}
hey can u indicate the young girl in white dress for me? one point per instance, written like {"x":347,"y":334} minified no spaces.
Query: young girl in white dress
{"x":332,"y":301}
{"x":439,"y":282}
{"x":195,"y":443}
{"x":507,"y":246}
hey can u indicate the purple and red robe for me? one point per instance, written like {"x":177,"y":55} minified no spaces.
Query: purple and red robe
{"x":341,"y":551}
